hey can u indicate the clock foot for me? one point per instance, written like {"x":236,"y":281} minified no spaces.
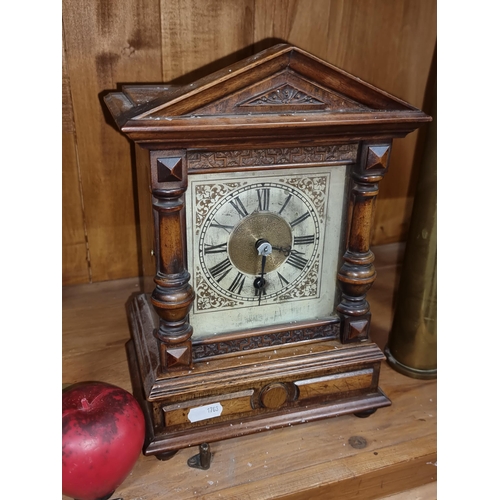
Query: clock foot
{"x":203,"y":459}
{"x":365,"y":414}
{"x":166,"y":455}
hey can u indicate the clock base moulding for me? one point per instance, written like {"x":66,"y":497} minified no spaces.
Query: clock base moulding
{"x":246,"y":392}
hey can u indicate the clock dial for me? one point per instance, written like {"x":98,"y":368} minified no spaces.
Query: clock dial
{"x":256,"y":245}
{"x":278,"y":216}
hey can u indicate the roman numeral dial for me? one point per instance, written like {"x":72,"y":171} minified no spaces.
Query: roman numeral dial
{"x":222,"y":248}
{"x":238,"y":205}
{"x":263,"y":195}
{"x":221,"y":270}
{"x":296,"y":260}
{"x":234,"y":265}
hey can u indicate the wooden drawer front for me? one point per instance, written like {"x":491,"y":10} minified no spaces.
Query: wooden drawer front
{"x":332,"y":384}
{"x":224,"y":407}
{"x":192,"y":412}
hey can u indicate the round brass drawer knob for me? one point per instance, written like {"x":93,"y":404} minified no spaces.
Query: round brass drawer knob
{"x":273,"y":396}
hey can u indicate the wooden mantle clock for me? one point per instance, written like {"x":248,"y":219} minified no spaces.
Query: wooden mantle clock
{"x":262,"y":183}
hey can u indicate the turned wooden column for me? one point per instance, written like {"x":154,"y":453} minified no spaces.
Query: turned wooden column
{"x":173,"y":296}
{"x":357,"y":273}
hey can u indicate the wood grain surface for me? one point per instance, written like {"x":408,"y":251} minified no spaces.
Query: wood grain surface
{"x":74,"y":238}
{"x":201,"y":37}
{"x":108,"y":43}
{"x":386,"y":43}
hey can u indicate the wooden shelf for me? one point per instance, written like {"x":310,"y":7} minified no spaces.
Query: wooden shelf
{"x":312,"y":460}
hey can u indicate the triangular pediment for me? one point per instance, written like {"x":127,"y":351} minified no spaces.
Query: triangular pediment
{"x":283,"y":79}
{"x":284,"y":92}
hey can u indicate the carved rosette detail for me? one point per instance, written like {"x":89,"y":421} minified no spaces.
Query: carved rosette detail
{"x":271,"y":156}
{"x":286,"y":94}
{"x":206,"y":350}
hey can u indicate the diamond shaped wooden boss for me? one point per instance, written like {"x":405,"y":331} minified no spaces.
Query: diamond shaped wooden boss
{"x":169,"y":169}
{"x":378,"y":157}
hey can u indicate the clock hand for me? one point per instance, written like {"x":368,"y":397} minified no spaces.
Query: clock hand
{"x":264,"y":248}
{"x":262,"y":280}
{"x":286,"y":250}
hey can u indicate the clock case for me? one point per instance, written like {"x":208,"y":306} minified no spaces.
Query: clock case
{"x":281,"y":108}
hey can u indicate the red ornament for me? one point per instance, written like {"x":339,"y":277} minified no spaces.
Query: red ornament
{"x":102,"y":436}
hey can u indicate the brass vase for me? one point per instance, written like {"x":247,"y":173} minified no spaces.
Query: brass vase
{"x":412,"y":344}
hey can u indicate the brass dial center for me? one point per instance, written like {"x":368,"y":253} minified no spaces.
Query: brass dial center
{"x":259,"y":226}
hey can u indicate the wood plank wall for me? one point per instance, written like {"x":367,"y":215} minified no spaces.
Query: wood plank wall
{"x":389,"y":43}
